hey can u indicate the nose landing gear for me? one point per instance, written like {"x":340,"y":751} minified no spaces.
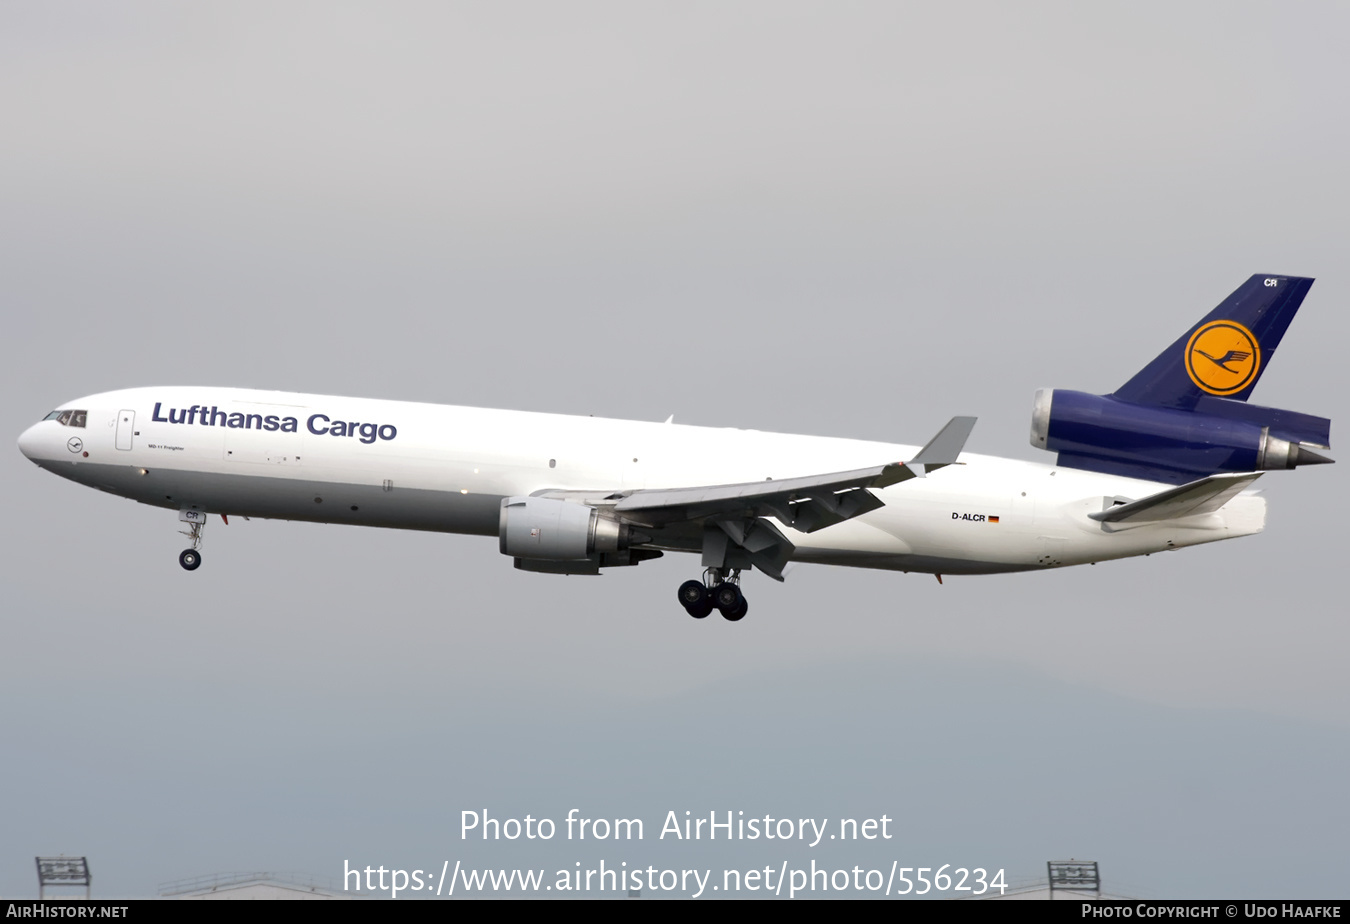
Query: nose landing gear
{"x":191,"y":559}
{"x":717,"y":590}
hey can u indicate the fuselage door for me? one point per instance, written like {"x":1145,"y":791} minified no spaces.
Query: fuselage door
{"x":126,"y":427}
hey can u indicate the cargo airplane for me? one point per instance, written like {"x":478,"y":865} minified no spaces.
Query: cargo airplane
{"x":1163,"y":462}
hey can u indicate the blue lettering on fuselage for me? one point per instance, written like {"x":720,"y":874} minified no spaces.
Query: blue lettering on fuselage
{"x":322,"y":424}
{"x":319,"y":424}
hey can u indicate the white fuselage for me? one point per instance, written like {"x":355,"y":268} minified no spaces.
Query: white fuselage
{"x":435,"y":467}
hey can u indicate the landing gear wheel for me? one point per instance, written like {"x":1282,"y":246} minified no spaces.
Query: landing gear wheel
{"x":694,"y":598}
{"x":727,"y":597}
{"x":738,"y":613}
{"x":190,"y":559}
{"x":692,"y":593}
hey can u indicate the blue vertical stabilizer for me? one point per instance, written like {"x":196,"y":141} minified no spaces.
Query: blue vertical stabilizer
{"x":1227,"y":352}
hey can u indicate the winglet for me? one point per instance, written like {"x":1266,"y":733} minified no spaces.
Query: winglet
{"x":941,"y":450}
{"x":946,"y":446}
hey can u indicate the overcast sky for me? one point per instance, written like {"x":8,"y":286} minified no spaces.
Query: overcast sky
{"x":845,"y":219}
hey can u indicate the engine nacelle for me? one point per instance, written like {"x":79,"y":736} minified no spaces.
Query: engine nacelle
{"x":546,"y":529}
{"x":1102,"y":433}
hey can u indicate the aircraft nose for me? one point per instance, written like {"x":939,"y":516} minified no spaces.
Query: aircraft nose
{"x":30,"y":442}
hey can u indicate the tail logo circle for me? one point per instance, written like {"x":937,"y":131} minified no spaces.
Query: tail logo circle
{"x":1223,"y":357}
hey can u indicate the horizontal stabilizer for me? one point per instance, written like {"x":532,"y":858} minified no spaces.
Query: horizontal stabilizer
{"x":1204,"y":496}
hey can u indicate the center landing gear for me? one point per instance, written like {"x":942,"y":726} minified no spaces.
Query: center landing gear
{"x":191,"y":559}
{"x":717,"y":591}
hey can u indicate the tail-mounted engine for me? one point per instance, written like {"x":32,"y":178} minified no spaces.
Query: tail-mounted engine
{"x":1185,"y":415}
{"x":1102,"y":433}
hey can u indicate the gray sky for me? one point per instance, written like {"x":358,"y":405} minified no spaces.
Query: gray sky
{"x":847,"y":219}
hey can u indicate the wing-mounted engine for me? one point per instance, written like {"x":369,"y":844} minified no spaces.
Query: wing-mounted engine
{"x":1101,"y":433}
{"x":562,"y":537}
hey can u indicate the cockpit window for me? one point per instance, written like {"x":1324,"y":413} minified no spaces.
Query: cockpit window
{"x":68,"y":418}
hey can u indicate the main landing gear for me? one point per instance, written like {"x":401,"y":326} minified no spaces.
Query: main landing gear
{"x":717,"y":590}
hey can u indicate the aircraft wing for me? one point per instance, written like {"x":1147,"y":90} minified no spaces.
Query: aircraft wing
{"x":1204,"y":496}
{"x":736,"y":529}
{"x":807,"y":503}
